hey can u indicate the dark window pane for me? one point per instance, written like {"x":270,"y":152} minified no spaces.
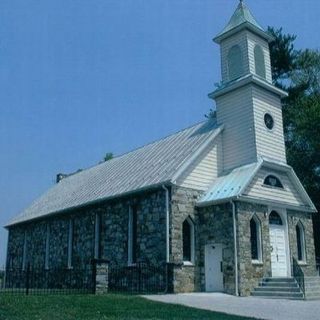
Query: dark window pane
{"x":186,"y":238}
{"x":254,"y":240}
{"x":273,"y":181}
{"x":299,"y":243}
{"x":235,"y":65}
{"x":259,"y":62}
{"x":134,"y":234}
{"x":274,"y":218}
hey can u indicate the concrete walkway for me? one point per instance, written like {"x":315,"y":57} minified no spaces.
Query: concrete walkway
{"x":271,"y":309}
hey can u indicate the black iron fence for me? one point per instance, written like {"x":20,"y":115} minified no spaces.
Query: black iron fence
{"x":40,"y":281}
{"x":138,"y":278}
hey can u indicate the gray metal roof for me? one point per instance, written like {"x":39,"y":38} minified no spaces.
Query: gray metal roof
{"x":233,"y":185}
{"x":147,"y":166}
{"x":242,"y":17}
{"x":230,"y":185}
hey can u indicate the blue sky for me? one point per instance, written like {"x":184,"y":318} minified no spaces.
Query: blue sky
{"x":80,"y":78}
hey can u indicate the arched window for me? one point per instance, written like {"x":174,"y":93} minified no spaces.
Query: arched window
{"x":235,"y":64}
{"x":300,"y":242}
{"x":255,"y":239}
{"x":274,"y":218}
{"x":188,"y":240}
{"x":272,"y":181}
{"x":259,"y":61}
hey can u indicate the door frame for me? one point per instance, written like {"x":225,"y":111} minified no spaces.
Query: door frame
{"x":205,"y":264}
{"x":284,"y":217}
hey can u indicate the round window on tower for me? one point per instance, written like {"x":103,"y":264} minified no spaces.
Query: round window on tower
{"x":268,"y":121}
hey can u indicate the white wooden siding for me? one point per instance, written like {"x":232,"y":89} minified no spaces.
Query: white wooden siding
{"x":235,"y":111}
{"x":201,"y":174}
{"x":270,"y":143}
{"x":252,"y":41}
{"x":237,"y":39}
{"x":288,"y":195}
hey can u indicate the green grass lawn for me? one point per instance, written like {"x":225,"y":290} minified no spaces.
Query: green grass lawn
{"x":67,"y":307}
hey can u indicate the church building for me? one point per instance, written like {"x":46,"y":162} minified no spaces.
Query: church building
{"x":217,"y":201}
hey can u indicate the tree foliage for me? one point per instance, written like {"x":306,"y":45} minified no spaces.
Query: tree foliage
{"x":298,"y":71}
{"x":108,"y":156}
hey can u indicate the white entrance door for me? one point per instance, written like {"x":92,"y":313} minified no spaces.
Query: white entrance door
{"x":213,"y":267}
{"x":278,"y":251}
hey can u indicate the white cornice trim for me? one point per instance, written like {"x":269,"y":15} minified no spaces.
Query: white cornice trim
{"x":245,"y":80}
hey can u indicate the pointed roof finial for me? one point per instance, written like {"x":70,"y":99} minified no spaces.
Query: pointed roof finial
{"x":241,"y":18}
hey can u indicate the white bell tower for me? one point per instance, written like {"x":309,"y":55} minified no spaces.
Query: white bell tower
{"x":248,"y":104}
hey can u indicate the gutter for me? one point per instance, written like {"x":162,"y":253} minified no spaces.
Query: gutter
{"x":167,"y":223}
{"x":235,"y":248}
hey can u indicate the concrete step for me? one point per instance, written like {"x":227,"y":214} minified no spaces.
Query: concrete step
{"x":313,"y":297}
{"x":278,"y":295}
{"x":278,"y":284}
{"x":279,"y":280}
{"x":277,"y":289}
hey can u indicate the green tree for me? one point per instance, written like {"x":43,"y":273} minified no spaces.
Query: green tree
{"x":108,"y":156}
{"x":298,"y":72}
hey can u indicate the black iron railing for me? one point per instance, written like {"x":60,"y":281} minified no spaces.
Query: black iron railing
{"x":138,"y":278}
{"x":318,"y":265}
{"x":298,"y":274}
{"x":39,"y":281}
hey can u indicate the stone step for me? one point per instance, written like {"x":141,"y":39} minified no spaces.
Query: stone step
{"x":278,"y":289}
{"x":278,"y":284}
{"x":313,"y":296}
{"x":278,"y":295}
{"x":278,"y":280}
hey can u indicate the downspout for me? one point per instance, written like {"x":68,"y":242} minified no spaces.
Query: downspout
{"x":167,"y":223}
{"x":235,"y":247}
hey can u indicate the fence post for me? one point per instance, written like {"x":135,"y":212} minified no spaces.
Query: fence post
{"x":28,"y":279}
{"x":100,"y":274}
{"x":139,"y":277}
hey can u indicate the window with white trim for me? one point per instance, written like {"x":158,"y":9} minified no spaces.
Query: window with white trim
{"x":255,"y":239}
{"x":97,"y":236}
{"x":188,"y":241}
{"x":273,"y":181}
{"x":301,"y":249}
{"x":235,"y":64}
{"x":259,"y":61}
{"x":24,"y":253}
{"x":47,"y":252}
{"x":132,"y":235}
{"x":70,"y":244}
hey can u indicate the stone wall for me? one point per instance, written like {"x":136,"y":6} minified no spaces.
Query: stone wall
{"x":186,"y":278}
{"x":212,"y":225}
{"x":151,"y":234}
{"x":250,"y":273}
{"x":294,"y":217}
{"x":216,"y":227}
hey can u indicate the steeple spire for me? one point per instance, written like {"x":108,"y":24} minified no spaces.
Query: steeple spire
{"x":241,"y":18}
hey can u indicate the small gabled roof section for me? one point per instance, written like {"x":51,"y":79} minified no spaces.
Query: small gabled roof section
{"x":230,"y":185}
{"x":242,"y":18}
{"x":235,"y":185}
{"x":147,"y":167}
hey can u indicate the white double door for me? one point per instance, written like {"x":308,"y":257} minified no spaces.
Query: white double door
{"x":213,"y":268}
{"x":279,"y":265}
